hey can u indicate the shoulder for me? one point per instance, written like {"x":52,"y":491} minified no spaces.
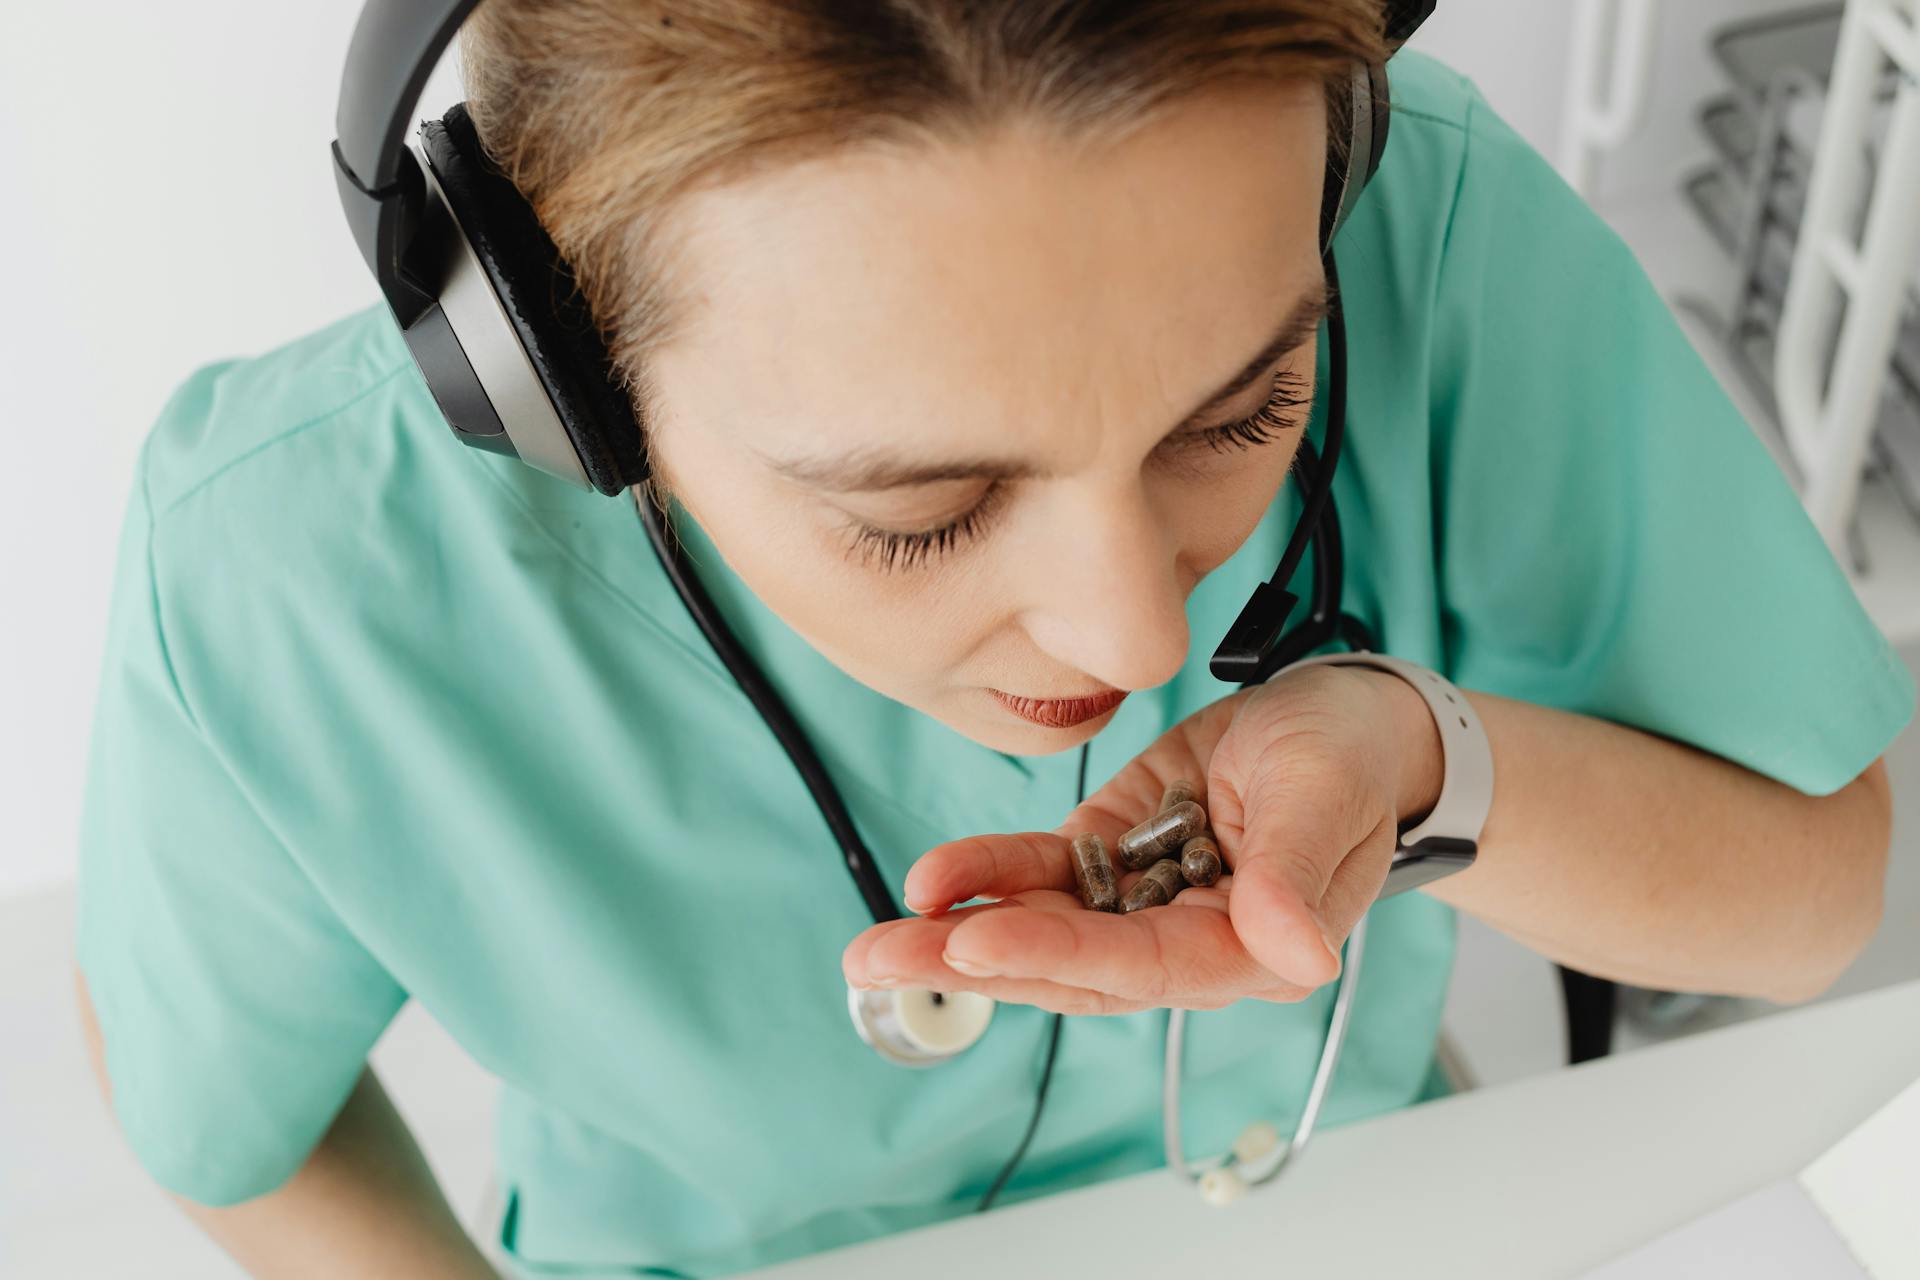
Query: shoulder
{"x":233,"y":422}
{"x":301,"y":498}
{"x":1438,"y":110}
{"x":1428,"y":90}
{"x":1459,"y":194}
{"x":1446,"y":150}
{"x":321,"y":459}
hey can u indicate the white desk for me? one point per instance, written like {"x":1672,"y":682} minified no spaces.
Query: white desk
{"x":1541,"y":1178}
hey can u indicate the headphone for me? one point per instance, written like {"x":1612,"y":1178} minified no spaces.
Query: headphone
{"x":493,"y":318}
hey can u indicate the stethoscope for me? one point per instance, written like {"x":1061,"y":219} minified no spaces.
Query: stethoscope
{"x":914,"y":1028}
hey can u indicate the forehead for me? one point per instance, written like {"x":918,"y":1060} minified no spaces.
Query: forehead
{"x":985,"y":286}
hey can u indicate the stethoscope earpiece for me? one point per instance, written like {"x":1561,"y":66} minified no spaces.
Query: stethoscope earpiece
{"x":914,"y":1027}
{"x":1221,"y":1187}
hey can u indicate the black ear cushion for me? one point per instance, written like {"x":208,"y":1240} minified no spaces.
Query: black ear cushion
{"x":538,"y":293}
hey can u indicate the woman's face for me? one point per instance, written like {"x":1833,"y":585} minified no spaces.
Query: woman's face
{"x":955,"y":415}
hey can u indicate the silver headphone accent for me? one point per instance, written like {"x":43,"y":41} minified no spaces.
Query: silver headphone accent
{"x":492,"y":347}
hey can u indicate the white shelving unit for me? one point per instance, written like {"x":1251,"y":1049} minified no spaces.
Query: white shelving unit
{"x":1796,"y":249}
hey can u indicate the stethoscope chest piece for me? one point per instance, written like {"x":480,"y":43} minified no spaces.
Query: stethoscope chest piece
{"x":914,"y":1027}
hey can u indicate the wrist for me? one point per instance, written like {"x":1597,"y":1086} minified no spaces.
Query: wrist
{"x":1422,"y":759}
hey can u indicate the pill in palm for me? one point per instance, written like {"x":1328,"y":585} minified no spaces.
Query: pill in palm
{"x":1093,"y":870}
{"x":1200,"y":861}
{"x":1156,"y":888}
{"x":1179,"y":791}
{"x":1161,"y":835}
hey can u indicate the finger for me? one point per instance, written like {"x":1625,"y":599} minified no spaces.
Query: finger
{"x":856,"y":959}
{"x":1190,"y":957}
{"x":1278,"y":927}
{"x":913,"y":956}
{"x":1292,"y":836}
{"x":990,"y":867}
{"x":1216,"y":897}
{"x":999,"y":866}
{"x":1357,"y":880}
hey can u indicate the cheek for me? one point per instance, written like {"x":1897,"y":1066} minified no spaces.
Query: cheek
{"x":1215,"y":517}
{"x":905,"y":635}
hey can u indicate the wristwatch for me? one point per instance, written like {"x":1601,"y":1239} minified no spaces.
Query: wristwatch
{"x":1446,"y":840}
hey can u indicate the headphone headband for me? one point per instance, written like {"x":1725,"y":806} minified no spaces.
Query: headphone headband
{"x":396,"y":45}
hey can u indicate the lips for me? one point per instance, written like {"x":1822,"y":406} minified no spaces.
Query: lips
{"x":1061,"y":713}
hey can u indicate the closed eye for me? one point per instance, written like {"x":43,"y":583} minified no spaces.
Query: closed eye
{"x":893,"y":549}
{"x":1281,"y":413}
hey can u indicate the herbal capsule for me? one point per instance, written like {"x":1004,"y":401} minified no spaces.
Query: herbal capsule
{"x":1099,"y":888}
{"x":1162,"y":835}
{"x":1200,"y":861}
{"x":1179,"y":791}
{"x":1156,"y":888}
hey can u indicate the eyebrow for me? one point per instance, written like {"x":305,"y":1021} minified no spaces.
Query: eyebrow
{"x":870,"y":470}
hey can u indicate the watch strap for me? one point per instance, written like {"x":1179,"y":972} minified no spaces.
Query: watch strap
{"x":1448,"y":838}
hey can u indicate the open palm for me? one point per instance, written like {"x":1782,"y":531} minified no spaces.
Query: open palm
{"x":1299,"y":778}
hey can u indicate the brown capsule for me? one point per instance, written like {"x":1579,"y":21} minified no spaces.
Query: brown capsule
{"x":1161,"y":835}
{"x":1093,"y":869}
{"x":1156,"y":888}
{"x":1200,"y":861}
{"x":1179,"y":791}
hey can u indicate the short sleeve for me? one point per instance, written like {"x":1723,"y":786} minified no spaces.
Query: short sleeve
{"x":236,"y":1009}
{"x":1612,"y":536}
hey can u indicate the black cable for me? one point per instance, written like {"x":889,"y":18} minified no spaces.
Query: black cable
{"x":1320,"y":495}
{"x":1320,"y":519}
{"x":1257,"y":645}
{"x":1039,"y":1103}
{"x":746,"y":673}
{"x":1053,"y":1048}
{"x":813,"y":773}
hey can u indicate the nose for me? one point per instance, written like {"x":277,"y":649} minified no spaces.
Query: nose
{"x":1107,"y":595}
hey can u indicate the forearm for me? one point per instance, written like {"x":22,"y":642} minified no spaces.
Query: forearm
{"x":1630,"y":856}
{"x":364,"y":1204}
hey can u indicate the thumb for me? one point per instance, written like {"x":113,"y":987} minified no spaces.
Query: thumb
{"x":1291,"y":839}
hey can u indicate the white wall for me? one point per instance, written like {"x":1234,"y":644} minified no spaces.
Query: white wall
{"x":165,"y":200}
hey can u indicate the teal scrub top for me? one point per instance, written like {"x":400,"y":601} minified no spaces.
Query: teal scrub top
{"x":385,"y":718}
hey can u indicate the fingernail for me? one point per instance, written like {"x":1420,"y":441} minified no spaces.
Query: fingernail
{"x":971,"y":968}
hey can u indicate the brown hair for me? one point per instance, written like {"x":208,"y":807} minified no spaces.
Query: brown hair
{"x":603,"y":111}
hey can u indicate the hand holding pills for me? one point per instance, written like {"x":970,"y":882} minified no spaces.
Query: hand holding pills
{"x":1295,"y":791}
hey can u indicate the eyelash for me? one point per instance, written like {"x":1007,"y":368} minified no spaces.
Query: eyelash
{"x":888,"y":549}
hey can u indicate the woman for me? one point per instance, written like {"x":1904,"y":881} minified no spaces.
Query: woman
{"x":919,"y":301}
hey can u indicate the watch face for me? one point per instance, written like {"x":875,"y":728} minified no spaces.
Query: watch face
{"x":1427,"y":861}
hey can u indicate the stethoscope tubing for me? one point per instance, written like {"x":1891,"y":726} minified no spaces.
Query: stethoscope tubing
{"x":1329,"y":1061}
